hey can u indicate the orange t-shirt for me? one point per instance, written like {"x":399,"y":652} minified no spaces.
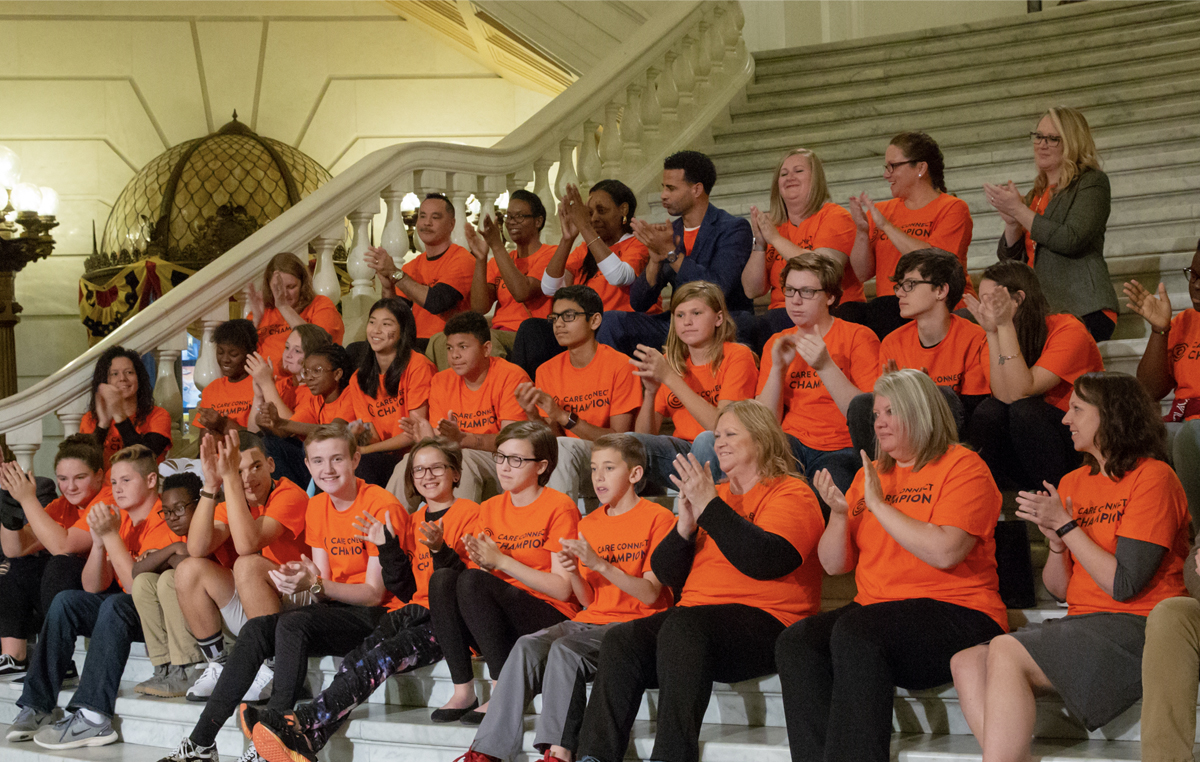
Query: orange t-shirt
{"x":288,"y":505}
{"x":785,"y":506}
{"x":955,"y":490}
{"x":809,"y":412}
{"x":630,"y":251}
{"x":456,"y":521}
{"x":479,"y":411}
{"x":313,"y":409}
{"x":157,"y":422}
{"x":1148,"y":504}
{"x":384,"y":411}
{"x":289,"y":389}
{"x":152,"y":534}
{"x":1070,"y":351}
{"x":627,"y":542}
{"x":596,"y":392}
{"x":959,"y":361}
{"x":1183,"y":355}
{"x":689,"y":239}
{"x":273,"y":330}
{"x":529,"y":534}
{"x":333,"y":531}
{"x":734,"y":381}
{"x":831,"y":227}
{"x":944,"y":223}
{"x":509,"y":312}
{"x":1039,"y":207}
{"x":229,"y":399}
{"x":64,"y":513}
{"x":455,"y":267}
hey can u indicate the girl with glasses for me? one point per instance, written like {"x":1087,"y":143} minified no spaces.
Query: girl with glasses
{"x":515,"y":584}
{"x":1058,"y":226}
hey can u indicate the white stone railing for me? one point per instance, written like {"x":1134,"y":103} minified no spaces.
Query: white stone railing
{"x":651,"y":96}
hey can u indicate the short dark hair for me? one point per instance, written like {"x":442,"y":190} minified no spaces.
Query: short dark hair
{"x":939,"y":267}
{"x":539,"y":435}
{"x":442,"y":196}
{"x":631,"y":450}
{"x":620,"y":193}
{"x":81,"y":447}
{"x":584,"y":296}
{"x":248,"y":440}
{"x":184,"y":480}
{"x":918,"y":147}
{"x":697,"y":168}
{"x":240,"y":333}
{"x":536,"y":207}
{"x":469,"y":322}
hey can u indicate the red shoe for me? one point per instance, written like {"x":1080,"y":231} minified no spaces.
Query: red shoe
{"x":470,"y":756}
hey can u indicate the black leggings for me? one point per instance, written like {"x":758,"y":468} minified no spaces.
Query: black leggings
{"x":682,"y":651}
{"x":29,"y":587}
{"x":839,"y":671}
{"x":475,"y":609}
{"x":1024,"y":443}
{"x":1099,"y":325}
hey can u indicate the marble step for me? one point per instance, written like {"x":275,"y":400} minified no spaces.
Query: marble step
{"x":118,"y":752}
{"x":965,"y":749}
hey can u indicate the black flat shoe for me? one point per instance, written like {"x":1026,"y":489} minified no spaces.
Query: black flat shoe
{"x":450,"y":715}
{"x":472,"y":718}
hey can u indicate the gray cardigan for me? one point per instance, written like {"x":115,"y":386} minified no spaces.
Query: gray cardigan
{"x":1069,"y":259}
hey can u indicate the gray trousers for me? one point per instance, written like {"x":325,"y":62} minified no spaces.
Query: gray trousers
{"x":558,"y":662}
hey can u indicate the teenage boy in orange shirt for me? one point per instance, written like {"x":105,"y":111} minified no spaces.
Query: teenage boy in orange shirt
{"x":581,"y":394}
{"x":469,"y":403}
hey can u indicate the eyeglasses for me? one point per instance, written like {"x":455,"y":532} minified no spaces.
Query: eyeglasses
{"x":514,"y":461}
{"x":513,"y":216}
{"x":438,"y":470}
{"x":1191,"y":274}
{"x":803,"y":293}
{"x":908,"y":285}
{"x":890,"y":166}
{"x":567,"y":317}
{"x":180,"y":509}
{"x":320,"y":370}
{"x":1050,"y":140}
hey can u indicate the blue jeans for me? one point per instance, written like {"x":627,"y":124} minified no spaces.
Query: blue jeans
{"x":660,"y":458}
{"x":623,"y":331}
{"x":111,"y":621}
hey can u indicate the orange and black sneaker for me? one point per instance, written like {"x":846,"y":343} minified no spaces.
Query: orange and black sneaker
{"x":247,"y":719}
{"x":280,"y":739}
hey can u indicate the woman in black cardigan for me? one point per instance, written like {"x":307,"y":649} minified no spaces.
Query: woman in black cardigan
{"x":1058,"y":227}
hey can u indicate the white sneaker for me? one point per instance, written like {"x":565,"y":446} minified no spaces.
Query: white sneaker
{"x":250,"y":754}
{"x":260,"y":689}
{"x":204,"y":685}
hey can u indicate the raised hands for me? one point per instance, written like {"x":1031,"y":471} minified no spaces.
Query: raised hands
{"x":432,"y":535}
{"x":872,"y":486}
{"x":381,"y":262}
{"x":580,"y":551}
{"x":103,"y":520}
{"x":650,"y":366}
{"x":295,"y":576}
{"x":1046,"y":510}
{"x":483,"y":551}
{"x":279,"y":292}
{"x":229,"y":455}
{"x":810,"y":345}
{"x":1005,"y":199}
{"x":863,"y":211}
{"x":257,"y":305}
{"x":417,"y":428}
{"x":829,"y":492}
{"x":694,"y":480}
{"x":21,"y":486}
{"x":1155,"y":308}
{"x":761,"y":225}
{"x":448,"y":429}
{"x":372,"y":530}
{"x":578,"y":212}
{"x":269,"y":418}
{"x":260,"y":369}
{"x":992,"y":311}
{"x":659,"y":237}
{"x":475,"y":243}
{"x":530,"y":398}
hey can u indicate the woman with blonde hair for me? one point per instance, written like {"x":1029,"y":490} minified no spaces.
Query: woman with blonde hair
{"x":742,"y":554}
{"x":1058,"y":226}
{"x":701,"y":371}
{"x":916,"y":529}
{"x":802,"y":218}
{"x":286,"y":301}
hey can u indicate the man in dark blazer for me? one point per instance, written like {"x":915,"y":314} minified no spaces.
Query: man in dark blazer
{"x":701,"y":243}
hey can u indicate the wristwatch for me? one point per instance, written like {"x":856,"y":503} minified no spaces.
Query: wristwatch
{"x":673,"y":255}
{"x":572,"y":420}
{"x":317,"y":588}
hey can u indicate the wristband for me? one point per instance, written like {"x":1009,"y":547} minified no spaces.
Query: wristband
{"x":1006,"y":358}
{"x":1163,"y":332}
{"x":207,"y":494}
{"x":1065,"y":528}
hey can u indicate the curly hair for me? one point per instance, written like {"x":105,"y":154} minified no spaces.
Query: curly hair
{"x":145,"y":393}
{"x":1131,"y":426}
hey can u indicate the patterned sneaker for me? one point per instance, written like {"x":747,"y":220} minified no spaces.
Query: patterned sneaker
{"x":11,"y":668}
{"x":203,"y":687}
{"x":250,"y":755}
{"x":28,"y":723}
{"x":75,"y":731}
{"x":260,"y":689}
{"x":283,"y":744}
{"x":160,"y":676}
{"x":190,"y":752}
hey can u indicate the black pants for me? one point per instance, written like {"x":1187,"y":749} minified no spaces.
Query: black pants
{"x":1024,"y":444}
{"x":839,"y":671}
{"x":29,"y":587}
{"x":475,"y":609}
{"x":533,"y":345}
{"x":322,"y":629}
{"x":1099,"y":325}
{"x":377,"y":467}
{"x":682,"y":651}
{"x":881,"y":314}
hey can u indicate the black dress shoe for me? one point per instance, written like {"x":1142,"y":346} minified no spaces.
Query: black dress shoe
{"x":472,"y":718}
{"x":450,"y":715}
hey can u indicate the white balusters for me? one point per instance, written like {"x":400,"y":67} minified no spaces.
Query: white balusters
{"x":394,"y":237}
{"x":668,"y":93}
{"x":490,"y":188}
{"x":325,"y":279}
{"x":716,"y":47}
{"x":207,"y":370}
{"x":610,"y":141}
{"x":566,"y":170}
{"x":362,"y":277}
{"x":631,"y":127}
{"x":590,"y":167}
{"x":457,"y":191}
{"x":685,"y":79}
{"x":24,"y":442}
{"x":167,"y":393}
{"x":70,"y":414}
{"x":702,"y":62}
{"x":731,"y":33}
{"x":541,"y":189}
{"x":651,"y":108}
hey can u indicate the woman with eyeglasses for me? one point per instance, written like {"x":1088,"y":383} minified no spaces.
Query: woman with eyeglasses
{"x":1058,"y":226}
{"x":514,"y":585}
{"x":404,"y":639}
{"x":1171,"y":362}
{"x":699,"y":374}
{"x":802,"y":217}
{"x":920,"y":215}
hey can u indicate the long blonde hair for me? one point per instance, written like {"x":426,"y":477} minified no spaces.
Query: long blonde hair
{"x":924,"y":416}
{"x":711,"y":294}
{"x":818,"y":189}
{"x":775,"y":456}
{"x":1079,"y":149}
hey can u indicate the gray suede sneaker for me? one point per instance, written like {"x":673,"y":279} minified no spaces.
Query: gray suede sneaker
{"x":28,"y":723}
{"x":173,"y":684}
{"x":160,"y":676}
{"x":74,"y":731}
